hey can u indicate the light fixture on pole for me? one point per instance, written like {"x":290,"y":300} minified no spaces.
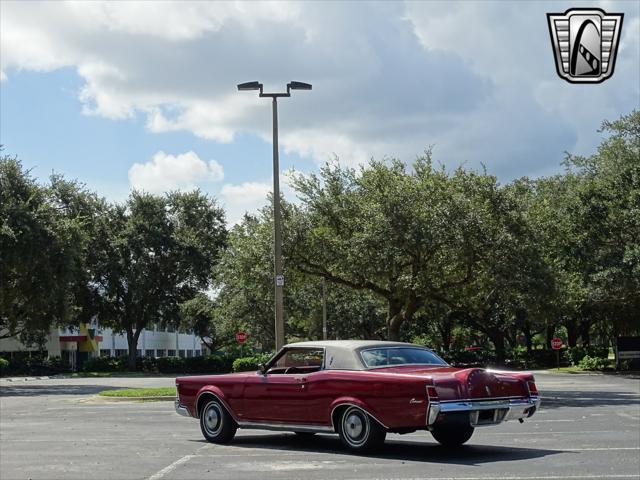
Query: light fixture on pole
{"x":277,"y":220}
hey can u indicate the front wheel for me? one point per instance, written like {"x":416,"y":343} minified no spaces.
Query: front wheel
{"x":452,"y":436}
{"x":359,"y":432}
{"x":216,"y":424}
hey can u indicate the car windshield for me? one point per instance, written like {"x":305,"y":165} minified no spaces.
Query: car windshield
{"x":393,"y":356}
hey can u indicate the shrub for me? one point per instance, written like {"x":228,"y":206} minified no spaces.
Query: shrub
{"x":208,"y":364}
{"x":4,"y":366}
{"x":36,"y":365}
{"x":246,"y":364}
{"x":593,"y":363}
{"x":105,"y":364}
{"x":576,"y":354}
{"x":170,"y":365}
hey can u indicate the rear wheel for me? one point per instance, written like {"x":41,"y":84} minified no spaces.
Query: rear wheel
{"x":216,"y":424}
{"x":451,"y":436}
{"x":359,"y":432}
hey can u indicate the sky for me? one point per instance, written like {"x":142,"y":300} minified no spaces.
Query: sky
{"x":125,"y":95}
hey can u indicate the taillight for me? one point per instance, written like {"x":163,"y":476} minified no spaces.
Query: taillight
{"x":434,"y":405}
{"x":533,"y":390}
{"x":432,"y":393}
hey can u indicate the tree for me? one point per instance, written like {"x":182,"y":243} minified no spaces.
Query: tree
{"x":157,"y":254}
{"x":409,"y":237}
{"x":606,"y":225}
{"x":511,"y":281}
{"x":205,"y":317}
{"x":590,"y":230}
{"x":45,"y":237}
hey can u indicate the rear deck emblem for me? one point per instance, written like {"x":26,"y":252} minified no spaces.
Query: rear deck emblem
{"x":585,"y":43}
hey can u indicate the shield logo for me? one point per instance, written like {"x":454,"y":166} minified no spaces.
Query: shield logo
{"x":585,"y":43}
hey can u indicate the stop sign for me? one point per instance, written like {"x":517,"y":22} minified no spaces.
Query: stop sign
{"x":556,"y":343}
{"x":241,"y":337}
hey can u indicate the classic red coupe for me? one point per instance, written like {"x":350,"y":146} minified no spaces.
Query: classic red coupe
{"x":360,"y":390}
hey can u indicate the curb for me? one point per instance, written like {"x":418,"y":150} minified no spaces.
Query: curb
{"x":136,"y":399}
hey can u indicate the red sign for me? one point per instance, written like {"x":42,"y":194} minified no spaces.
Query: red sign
{"x":241,"y":337}
{"x":556,"y":343}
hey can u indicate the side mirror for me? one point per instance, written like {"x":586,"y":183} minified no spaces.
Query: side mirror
{"x":262,"y":368}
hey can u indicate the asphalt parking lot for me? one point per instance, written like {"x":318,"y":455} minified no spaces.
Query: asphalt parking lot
{"x":588,"y":427}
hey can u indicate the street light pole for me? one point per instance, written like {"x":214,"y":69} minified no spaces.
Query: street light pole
{"x":277,"y":217}
{"x":277,"y":234}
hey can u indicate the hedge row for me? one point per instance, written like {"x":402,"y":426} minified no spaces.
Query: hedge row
{"x":204,"y":364}
{"x":33,"y":366}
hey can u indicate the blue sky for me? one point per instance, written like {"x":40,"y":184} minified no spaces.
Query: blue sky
{"x":125,"y":95}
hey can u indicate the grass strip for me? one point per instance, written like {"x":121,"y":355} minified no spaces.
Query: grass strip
{"x":140,"y":392}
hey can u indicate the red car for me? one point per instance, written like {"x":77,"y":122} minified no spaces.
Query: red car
{"x":360,"y":390}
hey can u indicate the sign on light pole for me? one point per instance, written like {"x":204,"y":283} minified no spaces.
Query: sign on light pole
{"x":277,"y":218}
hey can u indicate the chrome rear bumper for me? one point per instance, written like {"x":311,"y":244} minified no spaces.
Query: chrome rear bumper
{"x":485,"y":412}
{"x":181,"y":409}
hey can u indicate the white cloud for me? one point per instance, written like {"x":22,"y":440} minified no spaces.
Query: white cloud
{"x":244,"y":197}
{"x":165,"y":172}
{"x":477,"y":79}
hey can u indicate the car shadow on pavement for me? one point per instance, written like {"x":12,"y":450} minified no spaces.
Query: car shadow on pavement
{"x":395,"y":449}
{"x":585,"y":398}
{"x":37,"y":390}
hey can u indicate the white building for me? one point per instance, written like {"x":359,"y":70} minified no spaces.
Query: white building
{"x":154,"y":342}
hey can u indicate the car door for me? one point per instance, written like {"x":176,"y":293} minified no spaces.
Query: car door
{"x":280,"y":395}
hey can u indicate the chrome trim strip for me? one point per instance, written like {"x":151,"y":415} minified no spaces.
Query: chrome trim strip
{"x":361,"y":408}
{"x":181,"y":409}
{"x":481,"y":399}
{"x":286,"y":427}
{"x":462,"y":405}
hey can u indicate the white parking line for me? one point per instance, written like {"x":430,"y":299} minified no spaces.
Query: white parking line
{"x":170,"y":468}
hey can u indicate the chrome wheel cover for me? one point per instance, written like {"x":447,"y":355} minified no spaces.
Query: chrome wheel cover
{"x":212,"y":419}
{"x":355,"y":427}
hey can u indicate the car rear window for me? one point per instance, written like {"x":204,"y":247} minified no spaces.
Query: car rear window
{"x":393,"y":356}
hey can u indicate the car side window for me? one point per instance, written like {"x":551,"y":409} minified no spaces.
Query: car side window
{"x":298,"y":360}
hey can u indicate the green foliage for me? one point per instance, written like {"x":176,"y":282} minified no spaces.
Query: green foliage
{"x":246,"y":364}
{"x":105,"y":364}
{"x":448,"y":258}
{"x":157,"y":253}
{"x":207,"y":319}
{"x":35,"y":365}
{"x":45,"y":254}
{"x":469,"y":358}
{"x":593,"y":363}
{"x":576,"y":354}
{"x":4,"y":366}
{"x":203,"y":364}
{"x":140,"y":392}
